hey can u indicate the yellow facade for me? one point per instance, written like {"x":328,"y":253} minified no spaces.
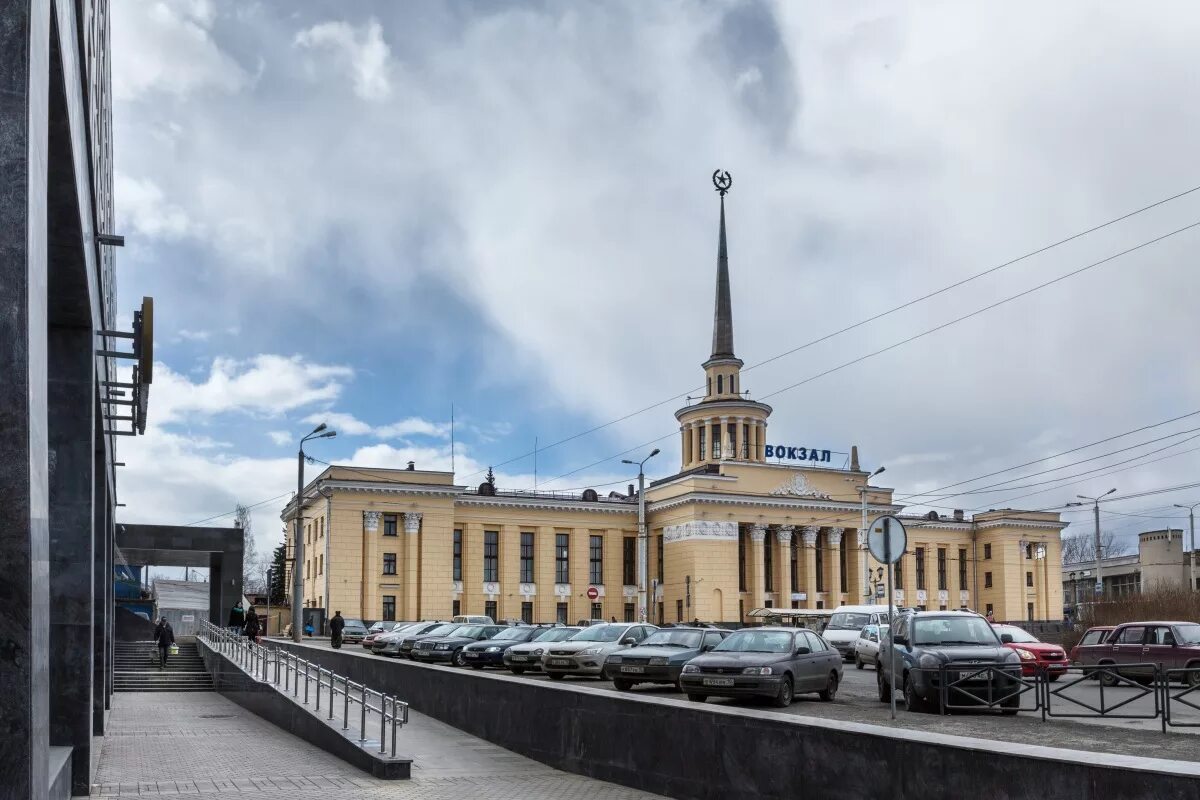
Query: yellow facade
{"x":735,"y":532}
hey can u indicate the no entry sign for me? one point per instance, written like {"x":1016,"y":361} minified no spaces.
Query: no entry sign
{"x":593,"y":593}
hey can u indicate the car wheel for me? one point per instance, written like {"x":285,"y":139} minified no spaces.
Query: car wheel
{"x":517,"y":670}
{"x":1011,"y":706}
{"x":1108,"y":677}
{"x":784,"y":698}
{"x":1192,"y":678}
{"x":912,"y":701}
{"x":622,"y":685}
{"x":1055,"y":676}
{"x":459,"y":660}
{"x":555,"y":676}
{"x":885,"y":688}
{"x":858,"y":662}
{"x":831,"y":686}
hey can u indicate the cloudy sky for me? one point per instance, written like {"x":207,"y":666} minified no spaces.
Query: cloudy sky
{"x":363,"y":213}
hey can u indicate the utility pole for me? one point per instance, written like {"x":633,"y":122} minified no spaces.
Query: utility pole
{"x":298,"y":550}
{"x":1191,"y":544}
{"x":642,"y":551}
{"x":1095,"y":501}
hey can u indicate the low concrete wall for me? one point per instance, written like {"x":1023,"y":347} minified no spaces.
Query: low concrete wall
{"x":264,"y":700}
{"x":691,"y":751}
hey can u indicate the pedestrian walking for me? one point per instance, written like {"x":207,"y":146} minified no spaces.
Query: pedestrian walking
{"x":251,"y":628}
{"x":991,"y":618}
{"x":237,"y":617}
{"x":164,"y":638}
{"x":335,"y":630}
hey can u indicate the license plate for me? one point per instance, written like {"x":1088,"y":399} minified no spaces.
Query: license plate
{"x":519,"y":658}
{"x":718,"y":681}
{"x":470,"y":655}
{"x":633,"y":669}
{"x":560,"y":662}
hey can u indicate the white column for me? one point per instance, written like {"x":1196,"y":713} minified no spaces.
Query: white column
{"x":784,"y":534}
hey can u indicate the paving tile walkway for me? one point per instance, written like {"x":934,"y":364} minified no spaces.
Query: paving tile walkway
{"x":163,"y":744}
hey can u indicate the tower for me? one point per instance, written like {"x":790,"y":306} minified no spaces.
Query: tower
{"x":724,"y":425}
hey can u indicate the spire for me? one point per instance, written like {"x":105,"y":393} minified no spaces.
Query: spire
{"x":723,"y":314}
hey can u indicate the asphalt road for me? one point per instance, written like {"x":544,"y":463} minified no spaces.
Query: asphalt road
{"x":858,"y":701}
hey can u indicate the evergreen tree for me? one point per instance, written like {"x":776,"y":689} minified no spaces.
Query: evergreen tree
{"x":278,"y":587}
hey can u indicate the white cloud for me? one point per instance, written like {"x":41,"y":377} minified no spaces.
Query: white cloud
{"x":193,"y":336}
{"x":143,"y":207}
{"x":360,"y":50}
{"x":281,"y":437}
{"x":265,"y":385}
{"x":349,"y":425}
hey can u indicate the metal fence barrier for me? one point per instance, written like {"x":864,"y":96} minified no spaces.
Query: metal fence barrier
{"x":288,"y":672}
{"x":991,"y":686}
{"x":1190,"y":678}
{"x":1108,"y":678}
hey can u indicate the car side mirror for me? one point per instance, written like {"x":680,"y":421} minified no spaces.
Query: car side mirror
{"x":706,"y":648}
{"x":629,"y":640}
{"x":802,"y":650}
{"x":1006,"y":638}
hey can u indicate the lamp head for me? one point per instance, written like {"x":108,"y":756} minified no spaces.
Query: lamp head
{"x":1110,"y":491}
{"x":319,"y":428}
{"x":327,"y":435}
{"x":653,"y":453}
{"x":878,"y":471}
{"x":627,"y":461}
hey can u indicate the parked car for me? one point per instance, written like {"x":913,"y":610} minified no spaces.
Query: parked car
{"x":410,"y":639}
{"x":522,"y":657}
{"x":585,"y":652}
{"x":922,"y":641}
{"x":1094,"y":635}
{"x":490,"y":653}
{"x":847,"y":621}
{"x":381,"y":628}
{"x":449,"y":647}
{"x":866,"y":646}
{"x":1143,"y":646}
{"x":354,"y":631}
{"x":1034,"y":654}
{"x":474,"y":619}
{"x":660,"y":657}
{"x":388,"y":644}
{"x":765,"y":662}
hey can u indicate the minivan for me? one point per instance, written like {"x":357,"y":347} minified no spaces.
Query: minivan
{"x":472,"y":619}
{"x":847,"y":621}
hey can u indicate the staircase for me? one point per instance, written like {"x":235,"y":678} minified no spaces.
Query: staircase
{"x":135,"y":669}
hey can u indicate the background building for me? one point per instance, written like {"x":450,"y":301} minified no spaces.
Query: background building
{"x":1160,"y":561}
{"x":745,"y":523}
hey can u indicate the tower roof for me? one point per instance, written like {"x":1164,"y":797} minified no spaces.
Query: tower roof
{"x":723,"y":313}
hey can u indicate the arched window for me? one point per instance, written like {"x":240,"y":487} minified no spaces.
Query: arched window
{"x":710,"y":385}
{"x":720,"y":384}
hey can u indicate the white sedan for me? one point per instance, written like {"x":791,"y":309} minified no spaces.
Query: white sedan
{"x":866,"y":646}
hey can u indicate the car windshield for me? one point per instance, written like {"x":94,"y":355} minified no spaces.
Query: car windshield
{"x":442,"y":630}
{"x":402,"y":626}
{"x":757,"y":641}
{"x":555,"y":634}
{"x":1188,"y":634}
{"x":847,"y":621}
{"x":600,"y":633}
{"x":1017,"y":634}
{"x":685,"y":639}
{"x":953,"y":630}
{"x":510,"y":634}
{"x":470,"y":631}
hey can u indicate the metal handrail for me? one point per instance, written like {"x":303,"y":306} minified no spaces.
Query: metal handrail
{"x":266,"y":662}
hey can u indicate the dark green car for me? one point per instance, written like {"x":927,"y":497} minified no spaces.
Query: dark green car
{"x":660,"y":658}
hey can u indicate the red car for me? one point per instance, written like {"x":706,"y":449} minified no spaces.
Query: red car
{"x":1095,"y":635}
{"x":1034,"y":654}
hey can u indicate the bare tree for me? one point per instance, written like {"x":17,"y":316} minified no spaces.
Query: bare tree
{"x":1081,"y":546}
{"x":251,"y":569}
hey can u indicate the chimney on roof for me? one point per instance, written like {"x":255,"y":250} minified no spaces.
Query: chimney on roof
{"x":631,"y":490}
{"x":958,"y":515}
{"x":411,"y":466}
{"x":854,"y":458}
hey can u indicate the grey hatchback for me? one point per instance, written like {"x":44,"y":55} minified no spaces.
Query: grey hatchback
{"x":765,"y":662}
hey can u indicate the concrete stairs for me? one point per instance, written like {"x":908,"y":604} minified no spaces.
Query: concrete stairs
{"x":135,"y":669}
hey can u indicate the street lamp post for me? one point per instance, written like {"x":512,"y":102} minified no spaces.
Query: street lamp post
{"x":862,"y":535}
{"x":1095,"y":501}
{"x":642,"y":554}
{"x":298,"y":550}
{"x":1191,"y":544}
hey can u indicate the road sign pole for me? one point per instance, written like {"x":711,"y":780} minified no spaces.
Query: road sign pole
{"x":887,"y":546}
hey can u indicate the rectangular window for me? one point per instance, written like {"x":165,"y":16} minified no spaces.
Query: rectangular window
{"x":820,"y":553}
{"x":527,"y":613}
{"x":491,"y":555}
{"x":489,"y":609}
{"x":560,"y":613}
{"x":987,"y":552}
{"x":389,"y":563}
{"x":745,"y":441}
{"x":919,"y":554}
{"x":389,"y":608}
{"x":731,"y":432}
{"x":597,"y":611}
{"x":741,"y":559}
{"x":1029,"y":611}
{"x":1029,"y":579}
{"x":389,"y":524}
{"x":526,"y":557}
{"x":679,"y":611}
{"x":457,"y":576}
{"x":962,"y":568}
{"x":988,"y":611}
{"x":795,"y":587}
{"x":629,"y":561}
{"x":662,"y":614}
{"x":898,"y":574}
{"x":1029,"y":551}
{"x":769,"y":562}
{"x":321,"y":564}
{"x":596,"y":560}
{"x":562,"y":558}
{"x":941,"y":566}
{"x":716,"y":440}
{"x":629,"y":612}
{"x":456,"y":608}
{"x":987,"y":580}
{"x":703,"y":429}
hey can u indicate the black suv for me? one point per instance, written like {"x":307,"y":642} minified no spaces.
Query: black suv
{"x":921,"y":642}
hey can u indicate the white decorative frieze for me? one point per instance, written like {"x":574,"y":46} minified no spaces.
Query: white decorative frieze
{"x":456,"y":587}
{"x":371,"y":520}
{"x":629,"y":591}
{"x":412,"y":521}
{"x":799,"y":486}
{"x":943,"y":597}
{"x":758,"y":533}
{"x":562,"y":590}
{"x":898,"y":596}
{"x":491,"y":588}
{"x":701,"y":529}
{"x":834,"y":536}
{"x":784,"y":534}
{"x":809,"y":535}
{"x":963,"y":596}
{"x":528,"y":589}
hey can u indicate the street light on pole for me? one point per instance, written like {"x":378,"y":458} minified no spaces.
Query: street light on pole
{"x":642,"y":555}
{"x":318,"y":432}
{"x":1095,"y":501}
{"x":862,"y":536}
{"x":1191,"y":544}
